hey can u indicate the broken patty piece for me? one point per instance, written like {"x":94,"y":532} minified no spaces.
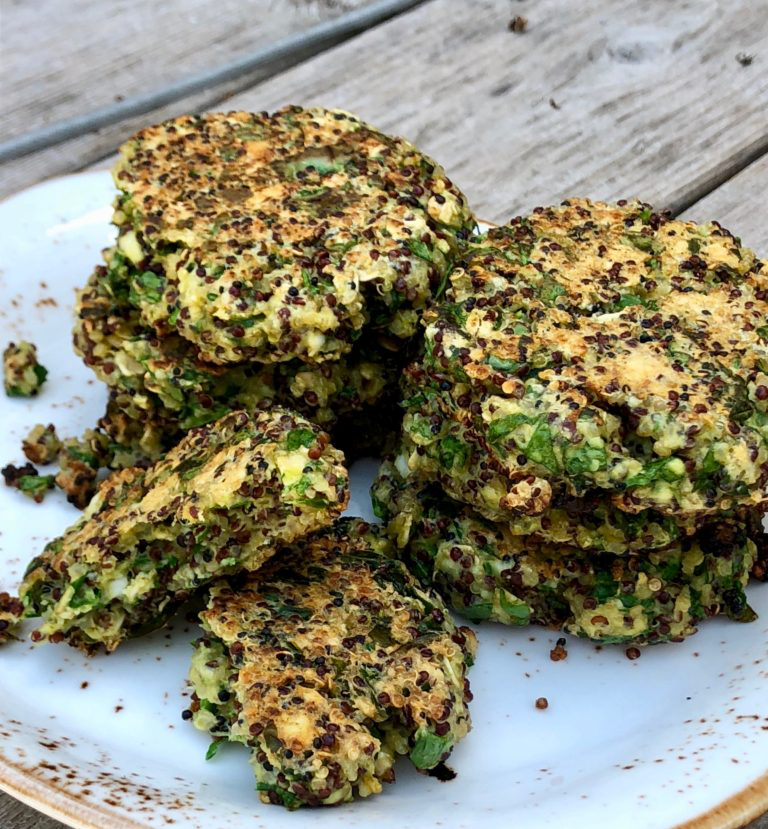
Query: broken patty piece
{"x":79,"y":468}
{"x":42,"y":444}
{"x":28,"y":481}
{"x":22,"y":374}
{"x":329,"y":663}
{"x":11,"y":611}
{"x":224,"y":499}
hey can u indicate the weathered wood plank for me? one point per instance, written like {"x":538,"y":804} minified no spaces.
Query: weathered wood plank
{"x":739,"y":205}
{"x":88,"y":71}
{"x":15,"y":815}
{"x":606,"y":98}
{"x":65,"y":59}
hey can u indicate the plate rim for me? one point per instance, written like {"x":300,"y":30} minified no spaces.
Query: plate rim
{"x":56,"y":802}
{"x":734,"y":812}
{"x":52,"y":179}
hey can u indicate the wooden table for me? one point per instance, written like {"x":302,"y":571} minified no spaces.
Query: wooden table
{"x":606,"y":98}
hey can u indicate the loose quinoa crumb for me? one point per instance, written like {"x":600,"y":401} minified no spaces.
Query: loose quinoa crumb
{"x":559,"y":652}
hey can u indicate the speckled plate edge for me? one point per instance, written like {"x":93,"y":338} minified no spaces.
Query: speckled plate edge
{"x":57,"y":803}
{"x":735,"y":812}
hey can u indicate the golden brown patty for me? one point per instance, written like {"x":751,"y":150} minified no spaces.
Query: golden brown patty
{"x":602,"y":346}
{"x":589,"y":521}
{"x":268,"y":237}
{"x":221,"y":501}
{"x":329,"y":663}
{"x":643,"y":596}
{"x":162,"y":380}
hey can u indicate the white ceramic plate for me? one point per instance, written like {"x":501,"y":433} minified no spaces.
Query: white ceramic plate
{"x":679,"y":735}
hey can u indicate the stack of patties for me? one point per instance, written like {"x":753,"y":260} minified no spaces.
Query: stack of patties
{"x":265,"y":259}
{"x":585,"y":440}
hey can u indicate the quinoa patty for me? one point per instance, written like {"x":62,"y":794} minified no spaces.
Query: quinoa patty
{"x":484,"y":572}
{"x":329,"y":663}
{"x":161,"y":380}
{"x":268,"y":237}
{"x":606,"y":346}
{"x":221,"y":501}
{"x":590,"y":521}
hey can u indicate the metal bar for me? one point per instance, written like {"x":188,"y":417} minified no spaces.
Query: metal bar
{"x":311,"y":41}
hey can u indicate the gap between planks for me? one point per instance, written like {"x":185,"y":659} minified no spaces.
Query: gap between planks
{"x":739,"y":205}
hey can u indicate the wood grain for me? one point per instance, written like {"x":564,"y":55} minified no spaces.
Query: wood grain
{"x":608,"y":98}
{"x":15,"y":815}
{"x":62,"y":59}
{"x":67,"y":58}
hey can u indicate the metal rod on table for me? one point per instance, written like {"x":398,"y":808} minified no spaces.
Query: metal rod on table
{"x":314,"y":38}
